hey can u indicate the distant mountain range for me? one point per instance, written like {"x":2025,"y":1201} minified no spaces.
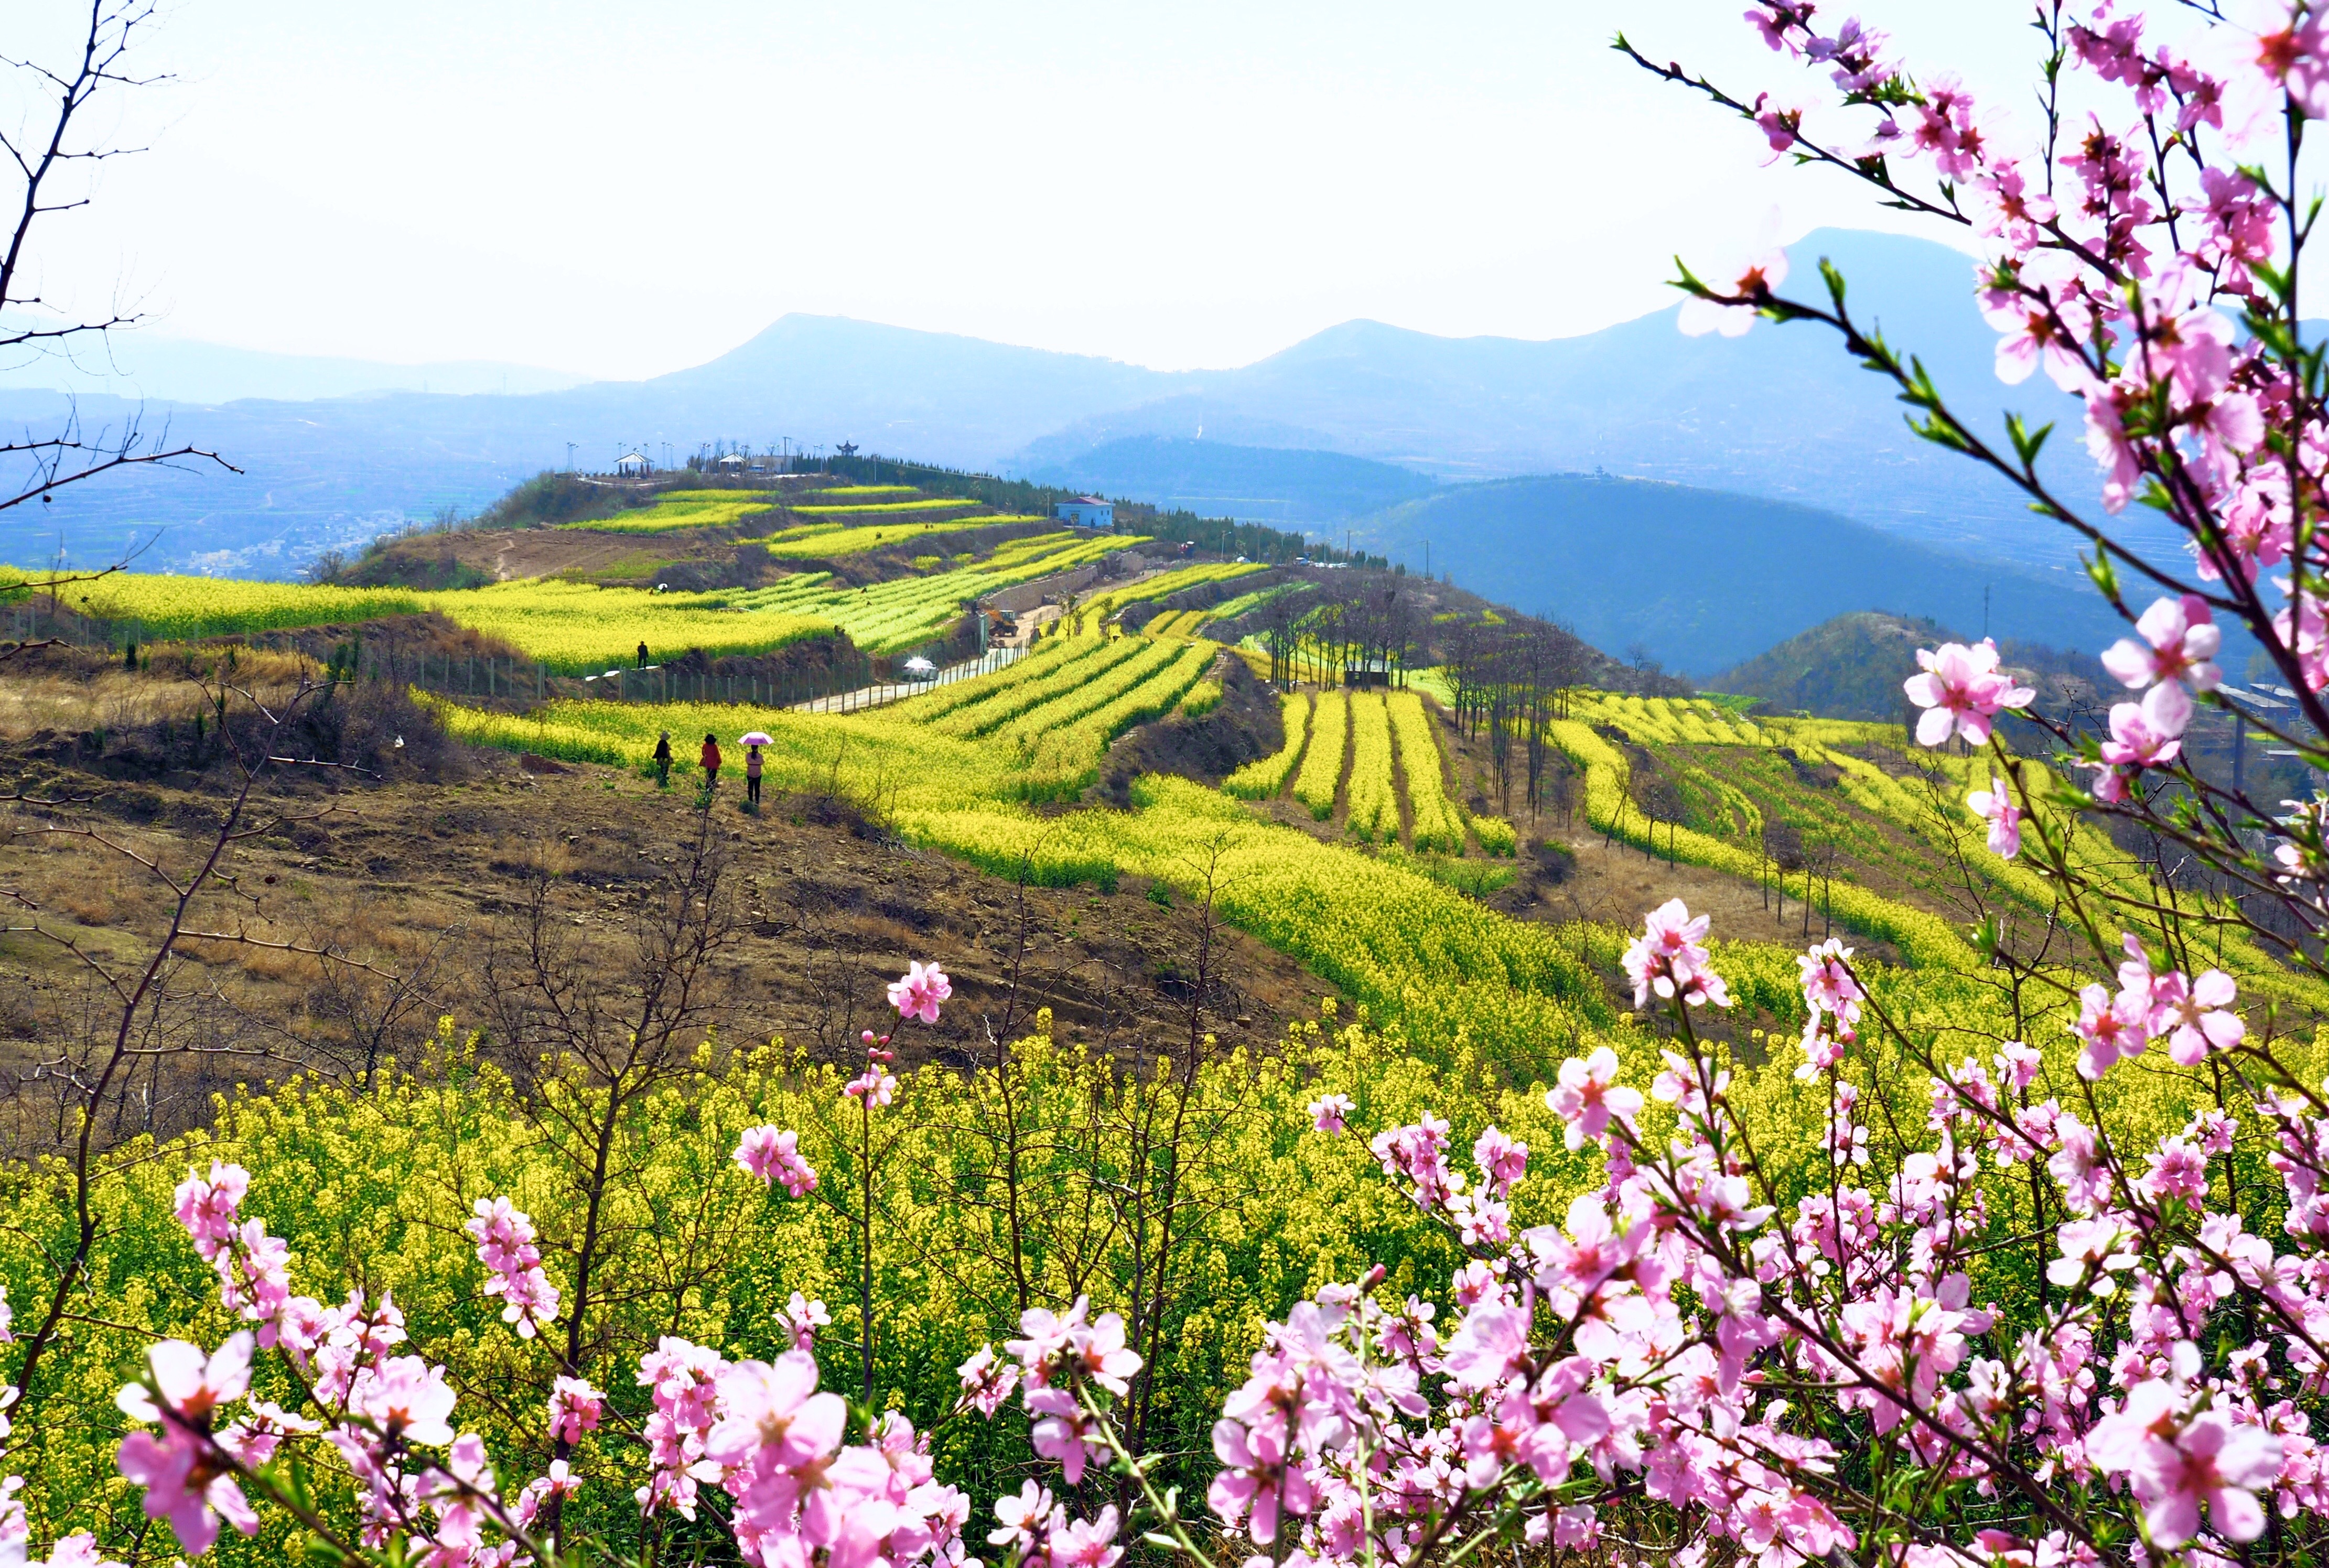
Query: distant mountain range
{"x":1704,"y":580}
{"x":141,"y":364}
{"x":1277,"y":486}
{"x":1780,"y":414}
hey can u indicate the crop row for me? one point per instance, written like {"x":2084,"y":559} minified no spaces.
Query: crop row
{"x":1104,"y":682}
{"x":1265,"y":777}
{"x":570,"y":627}
{"x":1908,"y":824}
{"x":1673,"y":721}
{"x":1246,"y":603}
{"x":1100,"y":606}
{"x":1176,"y":623}
{"x":1925,"y":938}
{"x":906,"y":612}
{"x":1322,"y":769}
{"x":1060,"y":673}
{"x":1064,"y":758}
{"x":678,"y":509}
{"x":1054,"y":751}
{"x":1447,"y":967}
{"x":823,"y":543}
{"x":869,"y":757}
{"x":1034,"y":664}
{"x":1374,"y":798}
{"x":1362,"y":726}
{"x":1437,"y":826}
{"x":168,"y":607}
{"x":926,"y":504}
{"x":575,"y":628}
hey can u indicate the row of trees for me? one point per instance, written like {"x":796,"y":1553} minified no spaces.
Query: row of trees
{"x":1506,"y":676}
{"x":1508,"y":679}
{"x":1372,"y":622}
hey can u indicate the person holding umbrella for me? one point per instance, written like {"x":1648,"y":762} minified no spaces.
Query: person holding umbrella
{"x":752,"y":743}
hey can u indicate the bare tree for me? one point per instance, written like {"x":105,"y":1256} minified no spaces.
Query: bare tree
{"x":597,"y":1036}
{"x":142,"y":998}
{"x":50,"y":155}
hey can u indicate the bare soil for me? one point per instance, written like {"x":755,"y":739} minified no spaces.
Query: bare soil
{"x":418,"y":877}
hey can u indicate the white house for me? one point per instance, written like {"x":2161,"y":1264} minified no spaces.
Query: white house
{"x":1086,"y":511}
{"x":734,"y":462}
{"x":631,"y":463}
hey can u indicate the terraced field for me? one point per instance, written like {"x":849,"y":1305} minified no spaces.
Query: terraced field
{"x":1367,"y":901}
{"x":1034,"y":730}
{"x":849,"y":518}
{"x":1098,"y":608}
{"x":1264,"y":778}
{"x":827,"y":542}
{"x":675,"y":509}
{"x":575,"y":628}
{"x":907,"y":612}
{"x":166,"y":607}
{"x":874,"y":508}
{"x":1386,"y":740}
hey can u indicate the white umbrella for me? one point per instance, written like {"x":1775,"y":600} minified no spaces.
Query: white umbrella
{"x":917,"y":665}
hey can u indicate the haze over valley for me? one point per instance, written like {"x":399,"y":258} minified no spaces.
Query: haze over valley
{"x":1349,"y":431}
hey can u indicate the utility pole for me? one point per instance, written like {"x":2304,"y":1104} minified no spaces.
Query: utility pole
{"x":570,"y":457}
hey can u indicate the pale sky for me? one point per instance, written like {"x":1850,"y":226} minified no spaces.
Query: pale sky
{"x":621,"y":189}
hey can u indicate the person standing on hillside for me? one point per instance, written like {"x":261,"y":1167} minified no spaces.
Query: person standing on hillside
{"x":663,"y":761}
{"x":710,"y":760}
{"x":643,"y":653}
{"x":752,"y":774}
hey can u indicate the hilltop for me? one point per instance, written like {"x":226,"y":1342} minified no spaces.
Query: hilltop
{"x":1850,"y":667}
{"x":1701,"y":578}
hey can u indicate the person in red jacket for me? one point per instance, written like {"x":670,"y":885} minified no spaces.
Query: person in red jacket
{"x":710,"y":760}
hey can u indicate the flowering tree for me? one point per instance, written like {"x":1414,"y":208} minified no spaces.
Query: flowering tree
{"x":2144,"y":247}
{"x":1981,"y":1323}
